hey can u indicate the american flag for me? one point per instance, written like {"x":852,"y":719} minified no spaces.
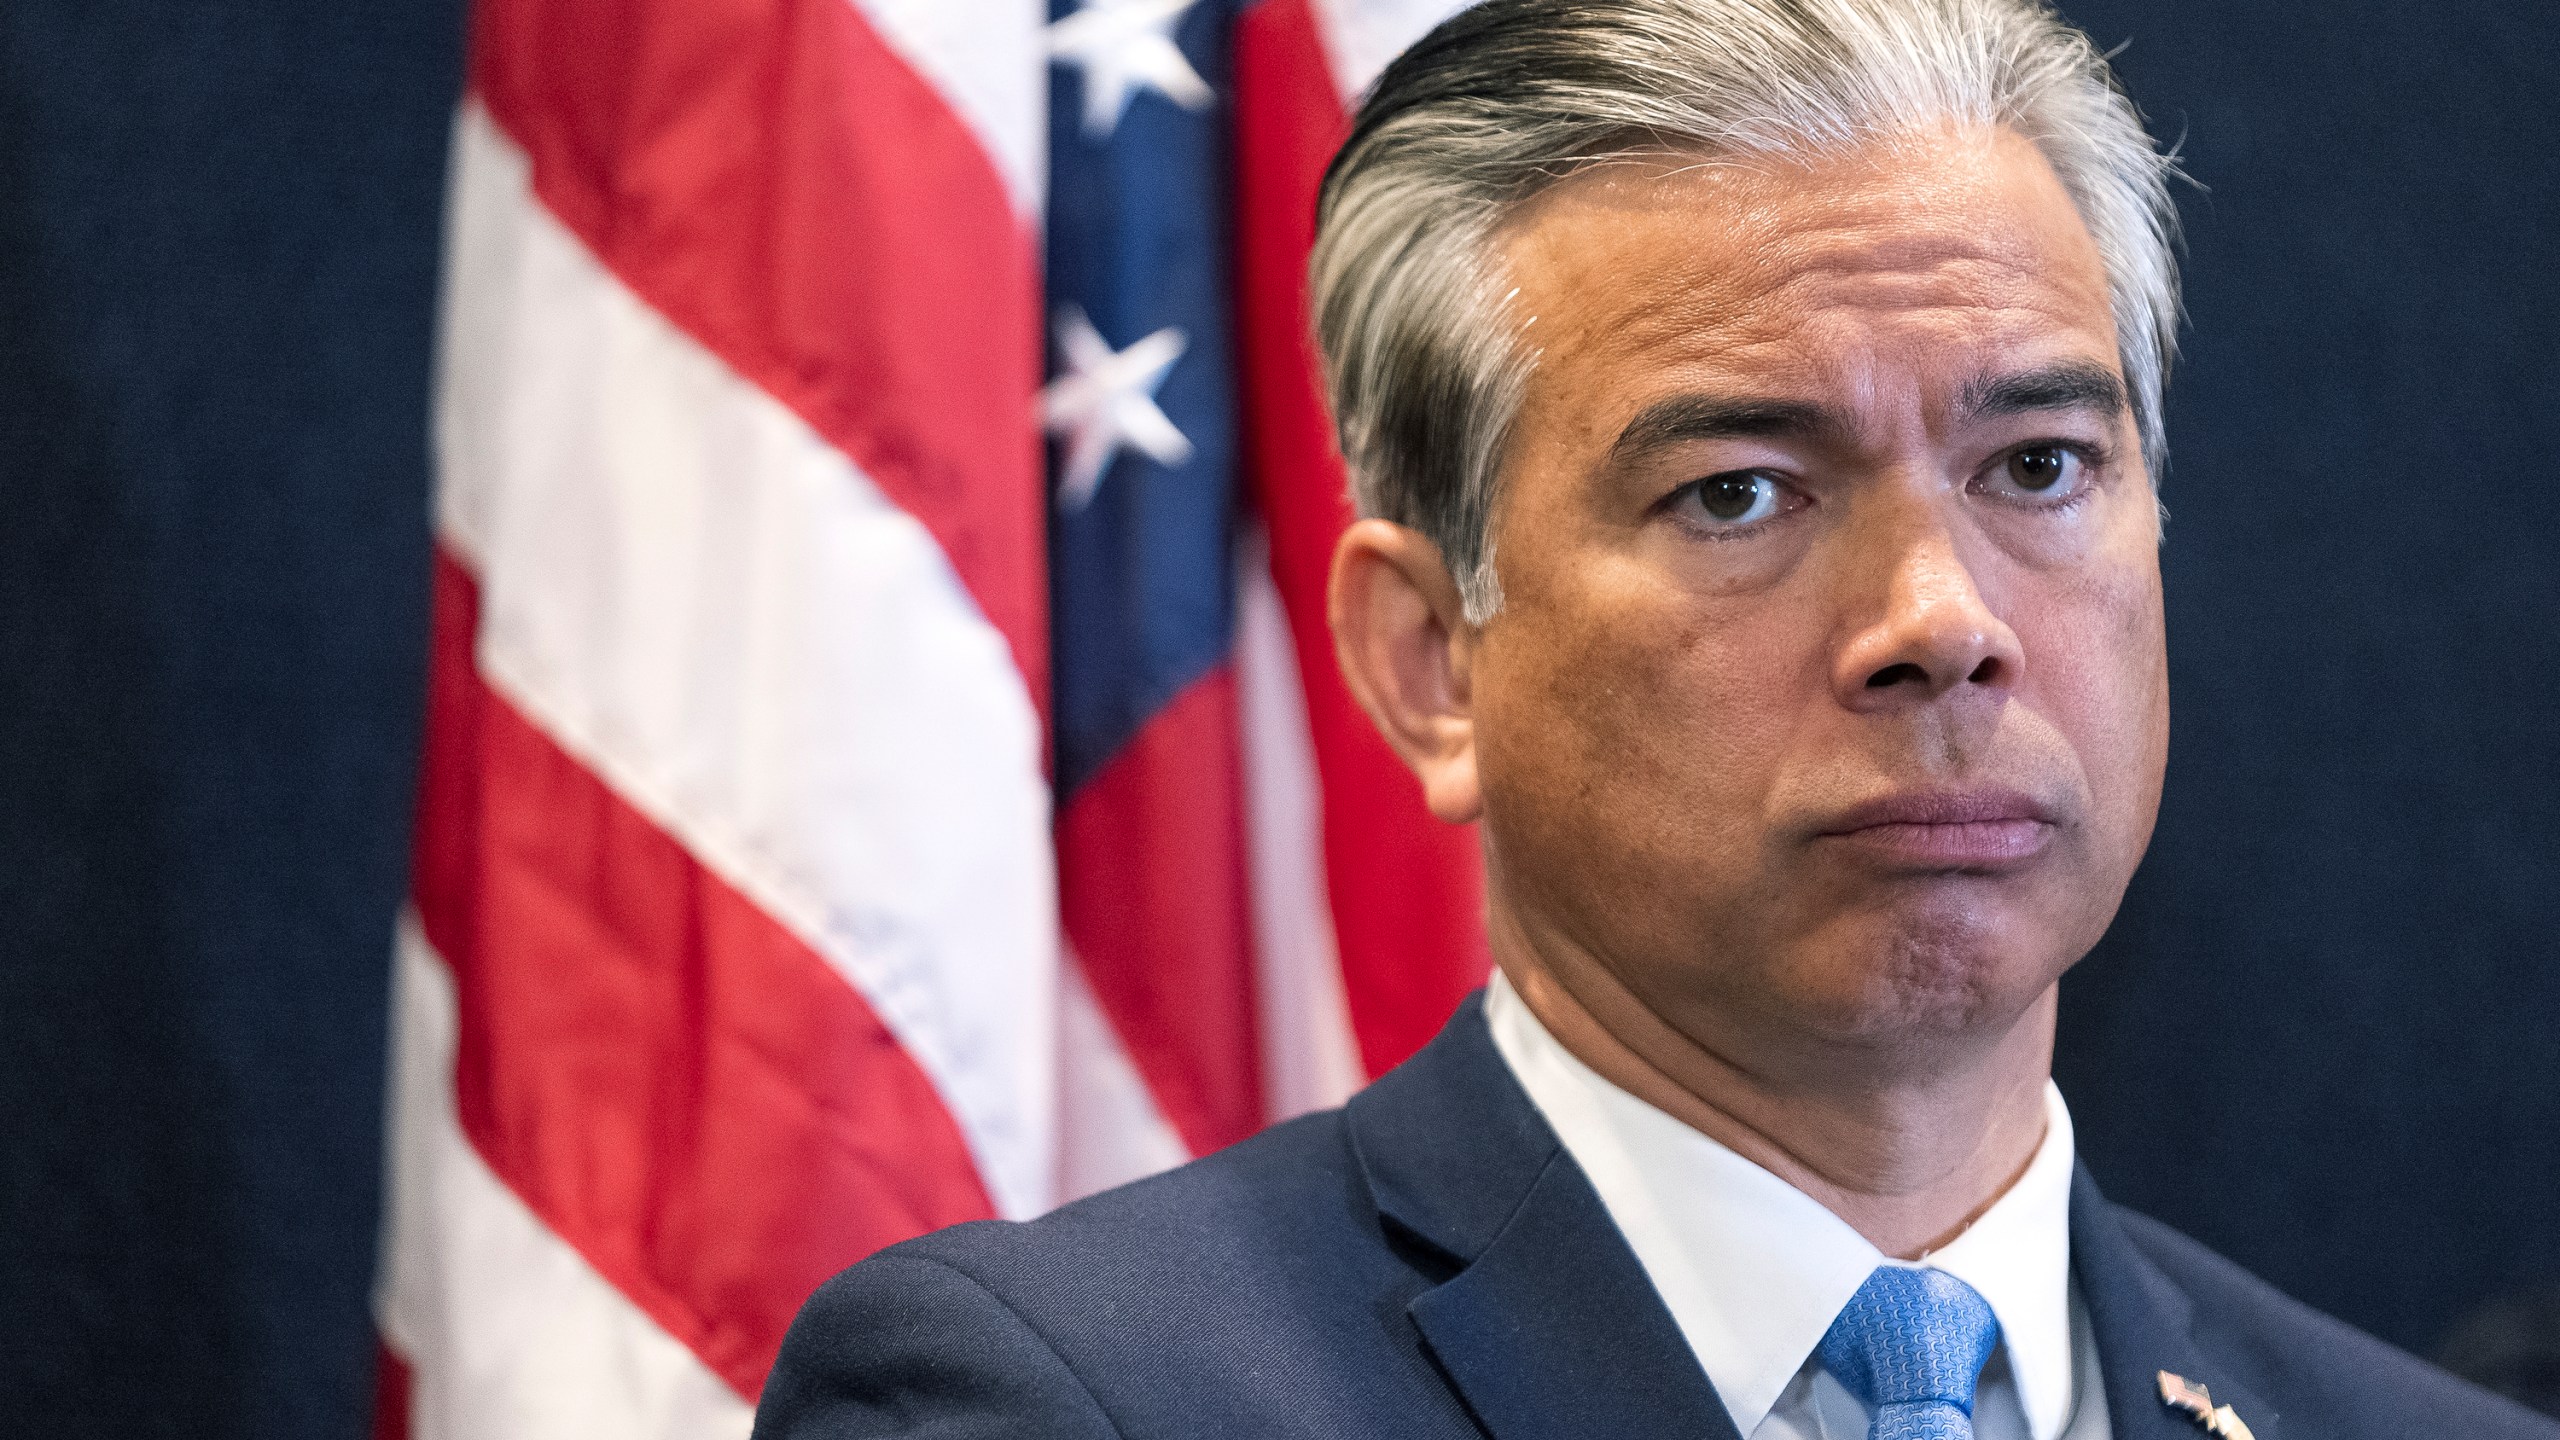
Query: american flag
{"x":884,"y":763}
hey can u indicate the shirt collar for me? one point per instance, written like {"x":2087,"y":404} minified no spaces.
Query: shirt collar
{"x":1754,"y":1270}
{"x":2017,"y":1256}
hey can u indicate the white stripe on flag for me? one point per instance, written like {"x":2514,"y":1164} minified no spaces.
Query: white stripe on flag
{"x":1361,"y":36}
{"x":1310,"y":1059}
{"x":717,"y":614}
{"x":990,"y":60}
{"x":1110,"y":1131}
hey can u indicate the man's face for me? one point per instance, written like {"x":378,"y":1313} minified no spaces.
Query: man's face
{"x":1828,"y":692}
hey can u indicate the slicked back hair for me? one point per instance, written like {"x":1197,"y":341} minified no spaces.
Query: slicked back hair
{"x":1505,"y":99}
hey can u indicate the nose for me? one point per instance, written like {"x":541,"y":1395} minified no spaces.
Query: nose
{"x":1933,"y":637}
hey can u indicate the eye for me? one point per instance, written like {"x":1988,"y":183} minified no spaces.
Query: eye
{"x":2048,"y":472}
{"x":1734,"y":499}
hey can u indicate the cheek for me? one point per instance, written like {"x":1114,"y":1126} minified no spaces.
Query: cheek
{"x":1640,"y":735}
{"x":2097,"y":669}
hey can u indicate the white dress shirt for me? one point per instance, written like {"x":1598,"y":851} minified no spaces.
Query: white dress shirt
{"x":1754,"y":1270}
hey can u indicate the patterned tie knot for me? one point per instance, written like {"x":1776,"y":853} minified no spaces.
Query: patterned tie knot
{"x":1910,"y":1344}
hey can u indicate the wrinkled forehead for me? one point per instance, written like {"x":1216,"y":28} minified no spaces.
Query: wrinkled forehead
{"x":1919,"y":262}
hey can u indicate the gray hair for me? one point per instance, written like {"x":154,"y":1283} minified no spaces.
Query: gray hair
{"x":1512,"y":96}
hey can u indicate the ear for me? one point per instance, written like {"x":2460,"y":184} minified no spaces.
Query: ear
{"x":1401,"y":636}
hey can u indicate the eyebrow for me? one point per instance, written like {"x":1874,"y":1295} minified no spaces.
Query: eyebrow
{"x":1678,"y":419}
{"x":2071,"y":385}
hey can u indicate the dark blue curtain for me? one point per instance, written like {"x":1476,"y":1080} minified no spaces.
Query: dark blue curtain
{"x":2324,"y":1034}
{"x":2321,"y":1037}
{"x":218,"y":249}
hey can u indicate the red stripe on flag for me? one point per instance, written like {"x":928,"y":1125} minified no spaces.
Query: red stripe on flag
{"x":390,"y":1393}
{"x":781,"y":185}
{"x":1407,"y":891}
{"x":680,"y":1088}
{"x":1151,"y":884}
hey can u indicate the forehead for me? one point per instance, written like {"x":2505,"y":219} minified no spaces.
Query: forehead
{"x":1917,"y":264}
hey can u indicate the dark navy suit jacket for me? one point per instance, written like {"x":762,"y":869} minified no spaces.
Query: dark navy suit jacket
{"x":1429,"y":1262}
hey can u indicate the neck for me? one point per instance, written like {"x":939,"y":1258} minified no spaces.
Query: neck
{"x":1907,"y":1143}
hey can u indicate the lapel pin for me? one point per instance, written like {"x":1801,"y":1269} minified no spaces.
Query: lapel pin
{"x":2196,"y":1403}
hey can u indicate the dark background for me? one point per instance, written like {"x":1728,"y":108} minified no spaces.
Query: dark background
{"x":2320,"y":1037}
{"x":219,"y":233}
{"x":2324,"y":1034}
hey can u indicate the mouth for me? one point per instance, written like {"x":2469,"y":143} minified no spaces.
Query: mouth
{"x":1969,"y":830}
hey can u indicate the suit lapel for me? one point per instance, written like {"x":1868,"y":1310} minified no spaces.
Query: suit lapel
{"x":2144,"y":1325}
{"x":1554,"y":1330}
{"x":1548,"y":1325}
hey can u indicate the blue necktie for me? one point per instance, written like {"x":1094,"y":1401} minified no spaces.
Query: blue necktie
{"x":1910,"y":1344}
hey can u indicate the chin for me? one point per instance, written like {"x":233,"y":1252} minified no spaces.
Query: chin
{"x":1921,"y":978}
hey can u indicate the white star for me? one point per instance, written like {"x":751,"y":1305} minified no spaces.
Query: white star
{"x":1106,"y":399}
{"x":1124,"y":45}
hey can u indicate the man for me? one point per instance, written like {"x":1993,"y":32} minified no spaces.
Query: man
{"x":1754,"y":405}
